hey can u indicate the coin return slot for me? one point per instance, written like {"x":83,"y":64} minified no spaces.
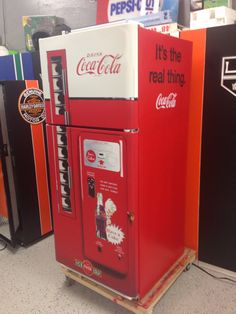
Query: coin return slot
{"x":91,"y":186}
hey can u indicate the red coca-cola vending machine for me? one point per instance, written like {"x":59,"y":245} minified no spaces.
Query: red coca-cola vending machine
{"x":117,"y":113}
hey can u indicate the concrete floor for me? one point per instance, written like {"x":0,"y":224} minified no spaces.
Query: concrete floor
{"x":4,"y":227}
{"x":31,"y":282}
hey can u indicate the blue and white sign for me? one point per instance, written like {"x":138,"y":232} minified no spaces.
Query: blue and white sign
{"x":150,"y":6}
{"x":126,"y":9}
{"x":172,"y":6}
{"x":119,"y":10}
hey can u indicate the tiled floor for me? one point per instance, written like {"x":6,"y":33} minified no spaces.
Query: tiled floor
{"x":31,"y":282}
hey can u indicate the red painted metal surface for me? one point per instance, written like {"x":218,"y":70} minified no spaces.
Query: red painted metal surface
{"x":102,"y":7}
{"x":162,"y":156}
{"x":106,"y":241}
{"x":119,"y":114}
{"x":104,"y":113}
{"x":148,"y":188}
{"x":77,"y":244}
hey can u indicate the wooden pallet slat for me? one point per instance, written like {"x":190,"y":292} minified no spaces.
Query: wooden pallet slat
{"x":148,"y":302}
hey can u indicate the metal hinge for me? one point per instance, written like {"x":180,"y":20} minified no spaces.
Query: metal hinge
{"x":69,"y":177}
{"x":64,"y":82}
{"x":56,"y":185}
{"x":67,"y":118}
{"x":130,"y":216}
{"x":131,"y":130}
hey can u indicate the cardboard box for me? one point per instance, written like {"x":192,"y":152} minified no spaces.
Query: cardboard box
{"x":171,"y":29}
{"x":212,"y":17}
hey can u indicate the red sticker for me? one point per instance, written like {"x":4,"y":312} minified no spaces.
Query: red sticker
{"x":91,"y":156}
{"x":87,"y":268}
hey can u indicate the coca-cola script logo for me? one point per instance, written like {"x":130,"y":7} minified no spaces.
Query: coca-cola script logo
{"x":166,"y":102}
{"x":87,"y":268}
{"x":91,"y":156}
{"x":99,"y":64}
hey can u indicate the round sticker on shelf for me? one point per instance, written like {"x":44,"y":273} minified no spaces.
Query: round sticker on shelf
{"x":31,"y":105}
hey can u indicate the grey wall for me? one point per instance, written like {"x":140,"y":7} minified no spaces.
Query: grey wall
{"x":76,"y":14}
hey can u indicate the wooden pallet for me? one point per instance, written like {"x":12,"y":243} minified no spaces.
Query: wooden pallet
{"x":147,"y":303}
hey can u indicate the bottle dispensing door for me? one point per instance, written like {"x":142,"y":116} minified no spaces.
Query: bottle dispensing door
{"x":104,"y":199}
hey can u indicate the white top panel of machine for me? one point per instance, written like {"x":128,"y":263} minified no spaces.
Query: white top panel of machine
{"x":102,"y":155}
{"x":102,"y":61}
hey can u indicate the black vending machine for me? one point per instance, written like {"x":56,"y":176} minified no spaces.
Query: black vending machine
{"x":25,"y":210}
{"x":217,"y":228}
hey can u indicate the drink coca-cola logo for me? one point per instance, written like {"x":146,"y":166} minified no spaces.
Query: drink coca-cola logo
{"x":91,"y":156}
{"x":99,"y":64}
{"x":87,"y":268}
{"x":166,"y":102}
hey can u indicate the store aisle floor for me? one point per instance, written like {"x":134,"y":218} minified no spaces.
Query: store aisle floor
{"x":31,"y":282}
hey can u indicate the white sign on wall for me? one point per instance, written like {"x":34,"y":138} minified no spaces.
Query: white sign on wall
{"x":149,"y":7}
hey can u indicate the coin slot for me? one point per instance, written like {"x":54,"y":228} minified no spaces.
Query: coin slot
{"x":101,"y":155}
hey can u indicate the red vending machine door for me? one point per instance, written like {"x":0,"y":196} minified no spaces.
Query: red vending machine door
{"x":104,"y":200}
{"x":57,"y":109}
